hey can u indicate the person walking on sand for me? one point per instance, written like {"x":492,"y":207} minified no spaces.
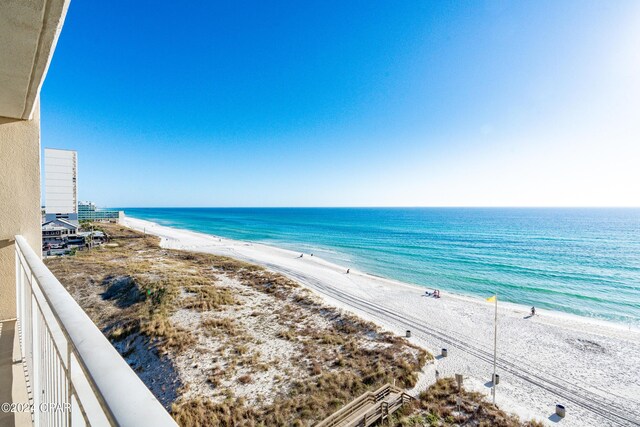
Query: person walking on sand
{"x":533,"y":311}
{"x":347,"y":271}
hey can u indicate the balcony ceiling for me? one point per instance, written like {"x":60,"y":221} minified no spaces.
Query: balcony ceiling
{"x":29,"y":31}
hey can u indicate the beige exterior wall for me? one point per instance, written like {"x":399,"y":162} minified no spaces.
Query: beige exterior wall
{"x":19,"y":199}
{"x":29,"y":31}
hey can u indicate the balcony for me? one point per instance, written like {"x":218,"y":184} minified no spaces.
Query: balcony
{"x":58,"y":366}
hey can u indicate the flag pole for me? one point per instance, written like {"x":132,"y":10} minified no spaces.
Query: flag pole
{"x":495,"y":347}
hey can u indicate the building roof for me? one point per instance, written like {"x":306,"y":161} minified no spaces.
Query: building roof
{"x":59,"y":222}
{"x":88,"y":233}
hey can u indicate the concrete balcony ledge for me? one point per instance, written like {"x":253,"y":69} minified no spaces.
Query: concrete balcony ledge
{"x":29,"y":31}
{"x":13,"y":385}
{"x":69,"y":362}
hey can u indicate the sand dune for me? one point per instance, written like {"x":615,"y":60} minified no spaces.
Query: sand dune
{"x":592,"y":367}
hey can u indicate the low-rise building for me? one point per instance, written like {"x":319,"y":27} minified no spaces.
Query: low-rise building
{"x":57,"y":232}
{"x":87,"y":211}
{"x":92,"y":237}
{"x":61,"y":236}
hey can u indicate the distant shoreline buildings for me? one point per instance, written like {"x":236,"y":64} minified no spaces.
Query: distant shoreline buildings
{"x":87,"y":211}
{"x":62,"y":213}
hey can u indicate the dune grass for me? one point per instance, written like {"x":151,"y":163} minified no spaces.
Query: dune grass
{"x":438,"y":406}
{"x":250,"y":347}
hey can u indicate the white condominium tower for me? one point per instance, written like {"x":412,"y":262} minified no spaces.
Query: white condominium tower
{"x":61,"y":191}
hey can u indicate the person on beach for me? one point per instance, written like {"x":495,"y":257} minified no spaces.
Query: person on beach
{"x":533,"y":311}
{"x":347,"y":271}
{"x":301,"y":255}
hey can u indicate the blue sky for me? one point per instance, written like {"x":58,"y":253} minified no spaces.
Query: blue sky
{"x":359,"y":103}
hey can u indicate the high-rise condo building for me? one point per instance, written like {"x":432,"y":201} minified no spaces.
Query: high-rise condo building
{"x":61,"y":190}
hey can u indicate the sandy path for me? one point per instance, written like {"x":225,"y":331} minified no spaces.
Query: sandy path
{"x":591,"y":367}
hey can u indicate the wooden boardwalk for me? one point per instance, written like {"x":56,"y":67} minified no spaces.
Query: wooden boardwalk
{"x":371,"y":407}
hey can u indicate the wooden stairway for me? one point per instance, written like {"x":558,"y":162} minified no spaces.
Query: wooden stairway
{"x":368,"y":409}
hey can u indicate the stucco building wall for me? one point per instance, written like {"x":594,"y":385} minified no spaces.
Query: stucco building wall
{"x":19,"y":199}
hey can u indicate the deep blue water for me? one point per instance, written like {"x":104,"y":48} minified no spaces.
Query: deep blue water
{"x":581,"y":261}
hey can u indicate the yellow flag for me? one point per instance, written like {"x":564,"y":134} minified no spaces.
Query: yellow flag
{"x":491,"y":299}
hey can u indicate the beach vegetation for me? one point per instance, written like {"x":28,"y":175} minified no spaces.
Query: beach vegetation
{"x":243,"y":345}
{"x":443,"y":404}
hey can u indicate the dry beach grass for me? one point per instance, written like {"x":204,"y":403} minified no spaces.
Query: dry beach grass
{"x":224,"y":342}
{"x":552,"y":358}
{"x":443,"y":404}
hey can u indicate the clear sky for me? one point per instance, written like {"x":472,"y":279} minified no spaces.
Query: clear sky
{"x":349,"y":103}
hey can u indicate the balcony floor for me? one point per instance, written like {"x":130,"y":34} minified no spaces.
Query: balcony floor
{"x":13,"y":388}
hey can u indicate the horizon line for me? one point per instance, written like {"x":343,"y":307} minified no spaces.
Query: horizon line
{"x":377,"y":207}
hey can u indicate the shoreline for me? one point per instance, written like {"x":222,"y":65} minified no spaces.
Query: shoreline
{"x":415,"y":287}
{"x":553,"y":358}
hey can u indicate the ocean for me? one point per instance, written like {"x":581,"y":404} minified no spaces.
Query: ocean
{"x":580,"y":261}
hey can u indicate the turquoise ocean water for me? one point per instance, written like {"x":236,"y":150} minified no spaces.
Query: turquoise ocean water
{"x":581,"y":261}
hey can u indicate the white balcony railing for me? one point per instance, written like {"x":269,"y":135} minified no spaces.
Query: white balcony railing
{"x":74,"y":374}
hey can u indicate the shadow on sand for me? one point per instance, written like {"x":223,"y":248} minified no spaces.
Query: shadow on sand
{"x":555,"y":418}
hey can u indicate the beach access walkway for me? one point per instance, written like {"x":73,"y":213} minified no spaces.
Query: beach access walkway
{"x":370,"y":408}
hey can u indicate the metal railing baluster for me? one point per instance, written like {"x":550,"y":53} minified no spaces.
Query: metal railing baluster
{"x":69,"y":362}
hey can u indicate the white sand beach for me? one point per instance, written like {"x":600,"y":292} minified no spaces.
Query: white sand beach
{"x":592,"y":367}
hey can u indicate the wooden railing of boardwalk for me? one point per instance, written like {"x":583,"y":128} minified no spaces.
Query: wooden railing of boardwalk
{"x":371,"y":407}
